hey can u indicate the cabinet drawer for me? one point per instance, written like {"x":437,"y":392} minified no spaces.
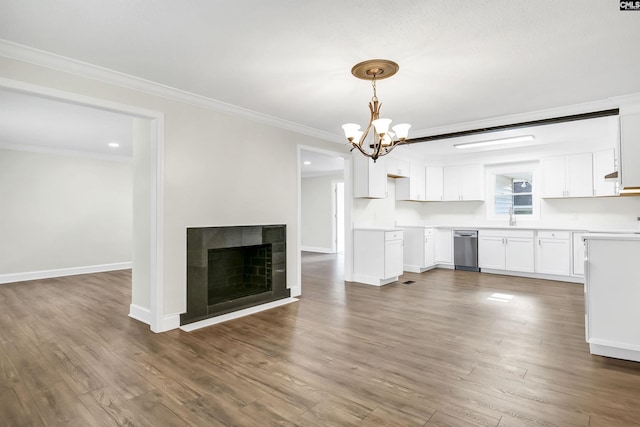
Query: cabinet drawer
{"x":393,"y":235}
{"x":560,"y":235}
{"x":525,"y":234}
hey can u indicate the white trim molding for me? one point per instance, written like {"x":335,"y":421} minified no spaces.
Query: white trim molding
{"x":62,"y":272}
{"x":140,"y":314}
{"x":62,"y":63}
{"x":317,"y":249}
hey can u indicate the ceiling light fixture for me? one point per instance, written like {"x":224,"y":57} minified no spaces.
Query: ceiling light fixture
{"x":113,"y":145}
{"x":307,"y":162}
{"x":382,"y":141}
{"x":511,"y":140}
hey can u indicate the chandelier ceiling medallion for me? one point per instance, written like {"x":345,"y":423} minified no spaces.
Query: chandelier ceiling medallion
{"x":382,"y":140}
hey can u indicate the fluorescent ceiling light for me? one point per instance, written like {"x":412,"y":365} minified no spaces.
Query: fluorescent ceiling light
{"x":511,"y":140}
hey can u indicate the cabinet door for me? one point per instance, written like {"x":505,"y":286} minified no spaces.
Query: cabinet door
{"x":519,"y":254}
{"x":451,"y":178}
{"x":429,"y":251}
{"x":579,"y":175}
{"x":444,"y":246}
{"x":412,"y":188}
{"x":433,"y":183}
{"x":578,"y":254}
{"x":630,"y":150}
{"x":553,"y":256}
{"x":491,"y":252}
{"x":604,"y":162}
{"x":393,"y":263}
{"x":369,"y":178}
{"x":553,"y":177}
{"x":472,"y":182}
{"x":397,"y":168}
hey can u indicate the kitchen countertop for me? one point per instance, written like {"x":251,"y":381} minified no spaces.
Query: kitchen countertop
{"x":528,"y":227}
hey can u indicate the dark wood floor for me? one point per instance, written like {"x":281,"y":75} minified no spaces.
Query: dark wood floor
{"x":438,"y":352}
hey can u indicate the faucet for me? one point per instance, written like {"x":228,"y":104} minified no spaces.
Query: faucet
{"x":512,"y":218}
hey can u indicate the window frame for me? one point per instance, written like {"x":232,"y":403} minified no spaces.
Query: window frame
{"x":492,"y":171}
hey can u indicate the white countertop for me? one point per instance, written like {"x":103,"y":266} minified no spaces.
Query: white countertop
{"x":611,"y":236}
{"x":528,"y":227}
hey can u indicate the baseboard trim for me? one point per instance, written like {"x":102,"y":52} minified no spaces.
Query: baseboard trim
{"x":236,"y":314}
{"x":73,"y":271}
{"x":316,"y":249}
{"x":169,"y":322}
{"x":374,"y":281}
{"x":543,"y":276}
{"x":140,"y":314}
{"x":296,"y":291}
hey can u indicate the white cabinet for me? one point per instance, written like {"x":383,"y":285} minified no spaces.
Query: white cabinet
{"x":377,"y":256}
{"x":412,"y":188}
{"x":604,"y":162}
{"x":369,"y":177}
{"x":510,"y":250}
{"x":567,"y":176}
{"x":463,"y":182}
{"x":419,"y":249}
{"x":433,"y":183}
{"x":578,"y":254}
{"x":444,"y":246}
{"x":398,"y":168}
{"x":629,"y":151}
{"x":612,"y":293}
{"x":553,"y":253}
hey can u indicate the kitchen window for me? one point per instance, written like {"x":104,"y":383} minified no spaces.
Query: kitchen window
{"x":512,"y":187}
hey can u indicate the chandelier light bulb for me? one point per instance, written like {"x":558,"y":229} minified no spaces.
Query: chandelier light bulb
{"x":381,"y":125}
{"x":350,"y":130}
{"x":402,"y":130}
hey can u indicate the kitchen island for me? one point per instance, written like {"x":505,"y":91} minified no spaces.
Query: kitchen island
{"x":612,"y":295}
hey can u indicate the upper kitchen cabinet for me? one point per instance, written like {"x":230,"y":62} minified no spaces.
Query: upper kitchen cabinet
{"x":412,"y":188}
{"x":604,"y":162}
{"x":629,"y":151}
{"x":433,"y":184}
{"x":369,"y":177}
{"x":397,"y":168}
{"x":567,"y":176}
{"x":463,"y":182}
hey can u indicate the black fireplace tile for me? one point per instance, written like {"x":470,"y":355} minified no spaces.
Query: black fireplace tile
{"x":251,"y":236}
{"x":278,"y":247}
{"x":197,"y":258}
{"x":194,"y":238}
{"x":279,"y":258}
{"x":197,"y":291}
{"x":273,"y":234}
{"x":222,"y":237}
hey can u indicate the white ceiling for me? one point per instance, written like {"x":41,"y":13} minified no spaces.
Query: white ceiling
{"x":459,"y":61}
{"x":320,"y":164}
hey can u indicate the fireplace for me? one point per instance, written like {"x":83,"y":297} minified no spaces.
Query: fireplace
{"x":231,"y":268}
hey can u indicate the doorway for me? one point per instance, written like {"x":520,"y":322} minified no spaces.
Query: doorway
{"x":338,"y":215}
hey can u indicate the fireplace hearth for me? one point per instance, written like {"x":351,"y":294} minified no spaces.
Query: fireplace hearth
{"x":232,"y":268}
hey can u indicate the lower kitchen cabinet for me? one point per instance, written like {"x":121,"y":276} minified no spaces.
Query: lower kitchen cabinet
{"x":553,"y":253}
{"x":578,"y":254}
{"x":612,"y":294}
{"x":419,"y":249}
{"x":444,"y":246}
{"x":377,"y":256}
{"x":510,"y":250}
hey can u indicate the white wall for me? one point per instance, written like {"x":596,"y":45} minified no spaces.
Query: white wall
{"x":316,"y":213}
{"x":61,"y":212}
{"x":213,"y":174}
{"x":376,"y":212}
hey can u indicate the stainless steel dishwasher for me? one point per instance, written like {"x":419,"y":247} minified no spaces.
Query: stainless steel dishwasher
{"x":465,"y":250}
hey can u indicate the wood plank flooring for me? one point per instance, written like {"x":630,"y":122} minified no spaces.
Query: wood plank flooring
{"x":438,"y":352}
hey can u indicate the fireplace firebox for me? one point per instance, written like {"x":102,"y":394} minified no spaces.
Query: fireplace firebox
{"x":231,"y":268}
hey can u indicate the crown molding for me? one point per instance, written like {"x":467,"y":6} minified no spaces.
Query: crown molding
{"x":54,"y":61}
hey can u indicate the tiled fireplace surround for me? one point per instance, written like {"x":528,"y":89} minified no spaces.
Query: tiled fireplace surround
{"x":203,"y":239}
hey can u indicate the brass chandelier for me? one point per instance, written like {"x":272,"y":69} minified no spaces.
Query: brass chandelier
{"x":383,"y":140}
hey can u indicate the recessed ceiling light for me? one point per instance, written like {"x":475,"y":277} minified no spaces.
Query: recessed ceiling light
{"x":307,"y":162}
{"x":511,"y":140}
{"x":113,"y":145}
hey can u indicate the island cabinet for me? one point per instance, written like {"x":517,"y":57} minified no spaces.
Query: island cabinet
{"x":419,"y":249}
{"x":463,"y":183}
{"x":553,"y":252}
{"x":567,"y":176}
{"x":510,"y":250}
{"x":377,"y":256}
{"x":612,"y":295}
{"x":369,"y":177}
